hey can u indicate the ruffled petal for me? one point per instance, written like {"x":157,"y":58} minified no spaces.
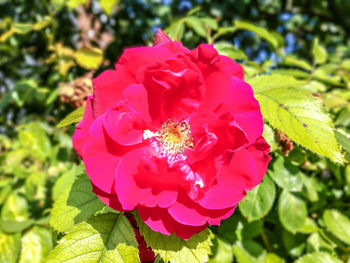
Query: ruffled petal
{"x":100,"y":162}
{"x":161,"y":38}
{"x":187,"y":212}
{"x":108,"y":88}
{"x":81,"y":135}
{"x":240,"y":101}
{"x":260,"y":153}
{"x":230,"y":66}
{"x":158,"y":219}
{"x":123,"y":126}
{"x":232,"y":182}
{"x":135,"y":60}
{"x":142,"y":179}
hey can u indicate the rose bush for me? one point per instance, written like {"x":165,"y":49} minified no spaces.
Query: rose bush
{"x":175,"y":134}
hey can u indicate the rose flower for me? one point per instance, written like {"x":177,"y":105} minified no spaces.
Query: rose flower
{"x":174,"y":134}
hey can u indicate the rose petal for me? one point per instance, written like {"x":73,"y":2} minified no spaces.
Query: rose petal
{"x":100,"y":162}
{"x":187,"y":212}
{"x":161,"y":38}
{"x":132,"y":181}
{"x":108,"y":88}
{"x":81,"y":134}
{"x":158,"y":219}
{"x":232,"y":181}
{"x":123,"y":126}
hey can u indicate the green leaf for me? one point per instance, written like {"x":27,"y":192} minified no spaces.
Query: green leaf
{"x":343,"y":139}
{"x":227,"y":49}
{"x":174,"y":249}
{"x":210,"y":22}
{"x":89,"y":57}
{"x":338,"y":224}
{"x":196,"y":24}
{"x":176,"y":30}
{"x":319,"y":52}
{"x":249,"y":251}
{"x":316,"y":242}
{"x":10,"y":246}
{"x":34,"y":138}
{"x":273,"y":258}
{"x":42,"y":24}
{"x":74,"y":203}
{"x":103,"y":238}
{"x":298,"y":114}
{"x":294,"y":244}
{"x":260,"y":31}
{"x":15,"y":208}
{"x":222,"y":252}
{"x":73,"y":117}
{"x":319,"y":257}
{"x":22,"y":28}
{"x":308,"y":227}
{"x":292,"y":211}
{"x":270,"y":137}
{"x":36,"y":245}
{"x":108,"y":5}
{"x":292,"y":61}
{"x":11,"y":226}
{"x":310,"y":188}
{"x":74,"y":3}
{"x":287,"y":175}
{"x":259,"y":201}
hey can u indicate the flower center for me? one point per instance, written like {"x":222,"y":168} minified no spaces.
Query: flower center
{"x":175,"y":136}
{"x":173,"y":139}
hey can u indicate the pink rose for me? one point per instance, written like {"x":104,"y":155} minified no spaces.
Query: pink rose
{"x":174,"y":134}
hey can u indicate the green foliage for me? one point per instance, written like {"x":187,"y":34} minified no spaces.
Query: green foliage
{"x":259,"y":201}
{"x":293,"y":110}
{"x":74,"y":200}
{"x":103,"y":238}
{"x":174,"y":249}
{"x":292,"y":211}
{"x":73,"y":117}
{"x":338,"y":224}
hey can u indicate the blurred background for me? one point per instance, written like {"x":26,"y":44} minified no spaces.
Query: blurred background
{"x":50,"y":50}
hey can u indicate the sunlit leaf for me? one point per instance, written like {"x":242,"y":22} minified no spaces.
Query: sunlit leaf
{"x":104,"y":238}
{"x":10,"y":246}
{"x":319,"y":52}
{"x":36,"y":245}
{"x":292,"y":211}
{"x":176,"y":30}
{"x":260,"y":31}
{"x":287,"y":175}
{"x":73,"y":117}
{"x":74,"y":203}
{"x":89,"y":57}
{"x":229,"y":50}
{"x":319,"y":257}
{"x":292,"y":61}
{"x":249,"y":251}
{"x":108,"y":5}
{"x":259,"y":201}
{"x":223,"y":252}
{"x":196,"y":24}
{"x":338,"y":224}
{"x":15,"y":208}
{"x":297,"y":113}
